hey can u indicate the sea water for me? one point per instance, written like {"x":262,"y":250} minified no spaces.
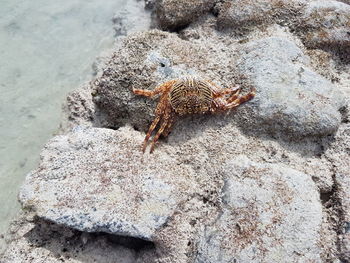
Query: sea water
{"x":47,"y":49}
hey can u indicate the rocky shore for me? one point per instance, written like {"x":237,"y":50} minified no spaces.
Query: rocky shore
{"x":266,"y":182}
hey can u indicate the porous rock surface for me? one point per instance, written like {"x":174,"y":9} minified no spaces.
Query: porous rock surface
{"x":291,"y":96}
{"x":97,"y":180}
{"x":242,"y":15}
{"x":256,"y":199}
{"x":174,"y":14}
{"x":326,"y":24}
{"x":266,"y":182}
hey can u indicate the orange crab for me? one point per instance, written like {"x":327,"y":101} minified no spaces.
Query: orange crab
{"x":189,"y":95}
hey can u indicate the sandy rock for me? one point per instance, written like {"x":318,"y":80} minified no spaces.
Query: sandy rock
{"x":242,"y":15}
{"x":91,"y":180}
{"x":271,"y":214}
{"x":79,"y":108}
{"x":339,"y":154}
{"x":275,"y":66}
{"x":47,"y":242}
{"x":144,"y":61}
{"x":291,"y":97}
{"x":97,"y":180}
{"x":326,"y":24}
{"x":174,"y":14}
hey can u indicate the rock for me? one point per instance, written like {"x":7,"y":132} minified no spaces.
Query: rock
{"x":47,"y":242}
{"x":339,"y":153}
{"x":91,"y":180}
{"x":242,"y":15}
{"x":326,"y":24}
{"x":79,"y":108}
{"x":271,"y":214}
{"x":290,"y":96}
{"x":174,"y":14}
{"x":97,"y":180}
{"x":147,"y":59}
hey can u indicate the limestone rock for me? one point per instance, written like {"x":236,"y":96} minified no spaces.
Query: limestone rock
{"x":173,"y":14}
{"x":326,"y":24}
{"x":144,"y":61}
{"x":241,"y":15}
{"x":271,"y":214}
{"x":42,"y":241}
{"x":97,"y":180}
{"x":339,"y":153}
{"x":91,"y":180}
{"x":291,"y":97}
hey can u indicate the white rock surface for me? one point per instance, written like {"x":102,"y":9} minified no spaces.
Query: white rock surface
{"x":270,"y":213}
{"x":267,"y":182}
{"x":291,"y":97}
{"x":93,"y":180}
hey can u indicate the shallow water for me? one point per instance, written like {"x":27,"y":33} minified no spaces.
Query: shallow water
{"x":46,"y":49}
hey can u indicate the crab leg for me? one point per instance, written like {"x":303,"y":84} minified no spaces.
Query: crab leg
{"x":159,"y":132}
{"x":238,"y":101}
{"x":150,"y":130}
{"x":219,"y":92}
{"x":234,"y":96}
{"x":156,"y":91}
{"x":168,"y":127}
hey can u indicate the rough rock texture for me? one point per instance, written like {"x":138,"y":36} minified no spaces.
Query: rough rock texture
{"x":339,"y":153}
{"x":41,"y":241}
{"x":243,"y":15}
{"x":266,"y":208}
{"x":326,"y":24}
{"x":97,"y":180}
{"x":291,"y":96}
{"x":266,"y":182}
{"x":174,"y":14}
{"x":97,"y":172}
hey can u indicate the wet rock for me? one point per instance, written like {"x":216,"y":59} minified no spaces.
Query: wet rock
{"x":326,"y":24}
{"x":175,"y":14}
{"x":291,"y":97}
{"x":271,"y":214}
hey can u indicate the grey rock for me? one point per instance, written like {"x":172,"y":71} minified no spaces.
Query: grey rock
{"x":326,"y":24}
{"x":91,"y":180}
{"x":173,"y":14}
{"x":144,"y":61}
{"x":339,"y":153}
{"x":42,"y":241}
{"x":241,"y":15}
{"x":97,"y":180}
{"x":78,"y":108}
{"x":271,"y":214}
{"x":291,"y":97}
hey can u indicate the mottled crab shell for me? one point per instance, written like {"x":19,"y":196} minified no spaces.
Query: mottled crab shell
{"x":191,"y":95}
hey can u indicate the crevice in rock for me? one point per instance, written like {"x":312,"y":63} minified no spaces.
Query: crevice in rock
{"x":66,"y":243}
{"x":334,"y":215}
{"x":133,"y":243}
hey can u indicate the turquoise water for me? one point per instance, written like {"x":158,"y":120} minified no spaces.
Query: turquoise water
{"x":47,"y":49}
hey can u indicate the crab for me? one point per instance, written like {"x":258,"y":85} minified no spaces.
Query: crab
{"x":189,"y":95}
